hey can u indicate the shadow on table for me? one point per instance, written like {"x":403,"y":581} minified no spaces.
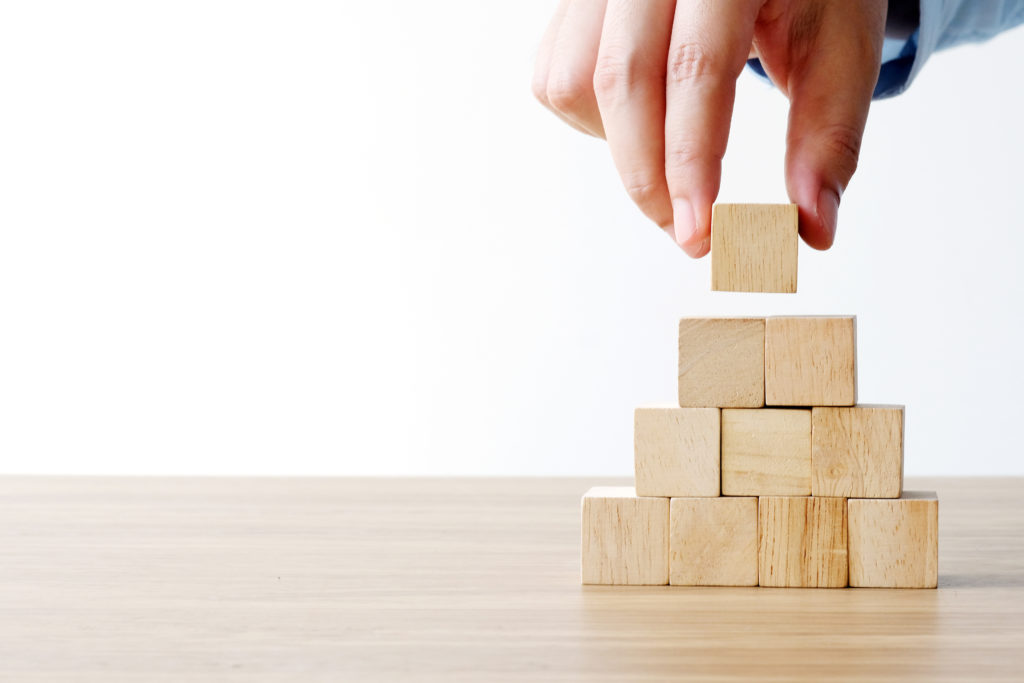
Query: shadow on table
{"x":982,"y":580}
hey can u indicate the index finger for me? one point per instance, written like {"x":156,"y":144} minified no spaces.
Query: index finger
{"x":709,"y":47}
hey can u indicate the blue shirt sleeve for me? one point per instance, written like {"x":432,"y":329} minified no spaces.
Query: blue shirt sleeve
{"x":944,"y":23}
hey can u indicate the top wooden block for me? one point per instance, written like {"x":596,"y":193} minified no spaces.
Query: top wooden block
{"x":754,"y":247}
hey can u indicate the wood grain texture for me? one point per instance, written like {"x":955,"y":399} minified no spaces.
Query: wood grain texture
{"x":754,"y":247}
{"x":766,"y":452}
{"x":810,"y":361}
{"x":676,"y":451}
{"x":713,"y":542}
{"x":857,"y":452}
{"x":625,"y":538}
{"x":376,"y":580}
{"x":894,"y":543}
{"x":802,"y":542}
{"x":721,"y":362}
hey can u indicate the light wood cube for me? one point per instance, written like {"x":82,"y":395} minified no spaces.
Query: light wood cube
{"x":802,"y":542}
{"x":810,"y":361}
{"x":676,"y":451}
{"x":894,"y":543}
{"x":857,"y":452}
{"x":766,"y":452}
{"x":754,"y":247}
{"x":713,"y":542}
{"x":721,"y":362}
{"x":625,"y":537}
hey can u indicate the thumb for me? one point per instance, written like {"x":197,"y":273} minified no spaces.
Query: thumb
{"x":830,"y":94}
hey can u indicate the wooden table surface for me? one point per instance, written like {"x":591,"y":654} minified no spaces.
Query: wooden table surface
{"x":327,"y":579}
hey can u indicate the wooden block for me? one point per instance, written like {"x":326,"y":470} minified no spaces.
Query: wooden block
{"x":713,"y":542}
{"x":894,"y":543}
{"x":721,"y":362}
{"x":802,"y":542}
{"x":625,"y":537}
{"x":766,"y":452}
{"x":810,"y":361}
{"x":857,"y":452}
{"x":754,"y":247}
{"x":676,"y":451}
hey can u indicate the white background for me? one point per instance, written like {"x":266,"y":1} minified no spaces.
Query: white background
{"x":341,"y":238}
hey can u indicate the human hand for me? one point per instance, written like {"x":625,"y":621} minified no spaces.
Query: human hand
{"x":657,"y":79}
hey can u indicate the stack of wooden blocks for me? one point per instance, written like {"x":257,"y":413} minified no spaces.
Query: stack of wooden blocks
{"x":767,"y":473}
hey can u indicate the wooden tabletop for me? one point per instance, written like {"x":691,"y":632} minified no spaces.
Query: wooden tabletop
{"x":326,"y":579}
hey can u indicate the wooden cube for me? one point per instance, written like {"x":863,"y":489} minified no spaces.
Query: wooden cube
{"x":676,"y":451}
{"x":857,"y":452}
{"x":810,"y":361}
{"x":721,"y":362}
{"x":766,"y":452}
{"x":713,"y":542}
{"x":625,"y":537}
{"x":894,"y":543}
{"x":802,"y":542}
{"x":754,"y":247}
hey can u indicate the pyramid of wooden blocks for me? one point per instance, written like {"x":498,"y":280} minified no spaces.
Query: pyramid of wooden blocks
{"x":767,"y":472}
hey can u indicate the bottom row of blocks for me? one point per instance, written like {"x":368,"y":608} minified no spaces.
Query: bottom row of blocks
{"x":768,"y":541}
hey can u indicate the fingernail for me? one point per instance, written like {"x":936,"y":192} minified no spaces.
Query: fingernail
{"x":684,"y":221}
{"x":828,"y":211}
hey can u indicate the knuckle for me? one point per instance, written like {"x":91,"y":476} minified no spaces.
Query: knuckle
{"x":565,"y":91}
{"x":843,"y":144}
{"x":680,"y":157}
{"x":618,"y":72}
{"x":643,"y":189}
{"x":611,"y":76}
{"x":689,"y":62}
{"x":683,"y":157}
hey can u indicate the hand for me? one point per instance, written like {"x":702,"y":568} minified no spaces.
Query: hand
{"x":657,"y":79}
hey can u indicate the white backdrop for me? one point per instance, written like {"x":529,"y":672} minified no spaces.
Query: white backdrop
{"x":341,"y":238}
